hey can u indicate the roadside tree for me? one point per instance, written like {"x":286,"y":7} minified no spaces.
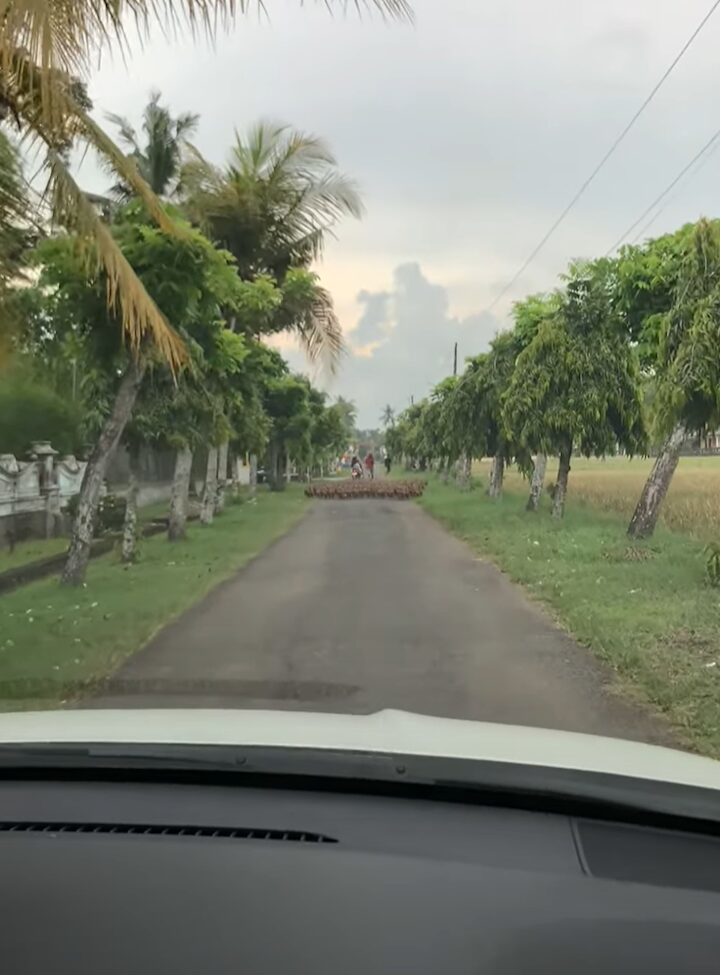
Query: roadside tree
{"x":679,"y":316}
{"x":576,"y":386}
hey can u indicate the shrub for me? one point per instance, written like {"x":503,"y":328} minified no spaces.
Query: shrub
{"x":111,"y":514}
{"x":712,"y":564}
{"x":30,"y":411}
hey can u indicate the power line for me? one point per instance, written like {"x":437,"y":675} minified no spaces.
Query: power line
{"x":708,"y":145}
{"x":643,"y":230}
{"x":605,"y":158}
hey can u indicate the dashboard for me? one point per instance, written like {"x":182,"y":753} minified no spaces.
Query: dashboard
{"x":178,"y":877}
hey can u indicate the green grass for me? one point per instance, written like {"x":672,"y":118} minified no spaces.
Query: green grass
{"x":55,"y":641}
{"x":31,"y":551}
{"x":43,"y":548}
{"x":645,"y":609}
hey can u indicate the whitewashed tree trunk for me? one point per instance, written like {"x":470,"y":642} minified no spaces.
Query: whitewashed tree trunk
{"x":130,"y":522}
{"x":179,"y":495}
{"x":207,"y":509}
{"x":558,"y":507}
{"x":537,"y":482}
{"x":644,"y":519}
{"x":82,"y":531}
{"x":462,"y":476}
{"x":253,"y":474}
{"x":497,"y":472}
{"x":221,"y":476}
{"x":465,"y":471}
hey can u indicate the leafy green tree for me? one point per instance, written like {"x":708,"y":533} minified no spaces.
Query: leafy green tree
{"x":646,"y":281}
{"x":687,"y":366}
{"x":30,"y":411}
{"x":159,"y":156}
{"x":576,"y":385}
{"x":328,"y":435}
{"x":439,"y":441}
{"x":189,"y":279}
{"x":528,"y":316}
{"x":407,"y":439}
{"x":464,"y":421}
{"x":287,"y":403}
{"x":348,"y":411}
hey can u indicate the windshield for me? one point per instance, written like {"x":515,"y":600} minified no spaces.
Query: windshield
{"x":363,"y":356}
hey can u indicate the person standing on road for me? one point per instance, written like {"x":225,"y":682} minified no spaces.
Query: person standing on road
{"x":370,"y":465}
{"x":387,"y":464}
{"x":356,"y":469}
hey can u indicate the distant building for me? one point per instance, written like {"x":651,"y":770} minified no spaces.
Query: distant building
{"x":707,"y":442}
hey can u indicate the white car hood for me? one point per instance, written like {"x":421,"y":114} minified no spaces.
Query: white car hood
{"x":396,"y":732}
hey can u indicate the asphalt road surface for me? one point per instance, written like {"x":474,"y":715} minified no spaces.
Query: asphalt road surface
{"x":370,"y":604}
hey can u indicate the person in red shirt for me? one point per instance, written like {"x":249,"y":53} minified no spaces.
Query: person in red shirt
{"x":370,"y":465}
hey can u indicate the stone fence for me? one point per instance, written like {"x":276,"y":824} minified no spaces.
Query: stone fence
{"x":35,"y":493}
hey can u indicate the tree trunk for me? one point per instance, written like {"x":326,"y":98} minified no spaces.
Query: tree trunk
{"x":82,"y":531}
{"x":207,"y":509}
{"x":179,"y":495}
{"x":253,"y":474}
{"x":644,"y":519}
{"x":221,"y":476}
{"x":537,"y":482}
{"x":558,"y":506}
{"x":129,"y":536}
{"x":463,"y":468}
{"x":497,"y":472}
{"x":277,"y":468}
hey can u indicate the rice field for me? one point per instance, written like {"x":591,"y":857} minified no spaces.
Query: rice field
{"x":614,"y":484}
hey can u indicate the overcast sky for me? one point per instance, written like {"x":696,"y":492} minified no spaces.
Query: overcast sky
{"x":468,"y":133}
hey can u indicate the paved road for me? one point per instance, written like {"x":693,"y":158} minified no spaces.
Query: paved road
{"x":371,"y":604}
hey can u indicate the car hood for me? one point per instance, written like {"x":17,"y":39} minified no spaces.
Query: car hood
{"x":388,"y":732}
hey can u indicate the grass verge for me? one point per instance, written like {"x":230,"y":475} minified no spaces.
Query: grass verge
{"x":42,"y":548}
{"x":644,"y":609}
{"x":54,"y":642}
{"x":31,"y":551}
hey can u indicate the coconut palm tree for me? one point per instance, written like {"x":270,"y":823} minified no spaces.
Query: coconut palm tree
{"x":159,"y":159}
{"x":44,"y":49}
{"x":272,"y":206}
{"x":14,"y":204}
{"x":387,"y":417}
{"x":17,"y":233}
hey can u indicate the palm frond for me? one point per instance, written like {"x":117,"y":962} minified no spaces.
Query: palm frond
{"x":141,"y":320}
{"x":14,"y":209}
{"x":127,"y":133}
{"x":320,"y":333}
{"x":124,"y":166}
{"x":69,"y":35}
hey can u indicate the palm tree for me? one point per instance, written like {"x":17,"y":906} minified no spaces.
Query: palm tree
{"x":272,"y":206}
{"x":387,"y":417}
{"x":16,"y":234}
{"x":44,"y":49}
{"x":158,"y":161}
{"x":14,"y":205}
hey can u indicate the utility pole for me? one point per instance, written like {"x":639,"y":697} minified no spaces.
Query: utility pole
{"x":412,"y":401}
{"x":455,"y":361}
